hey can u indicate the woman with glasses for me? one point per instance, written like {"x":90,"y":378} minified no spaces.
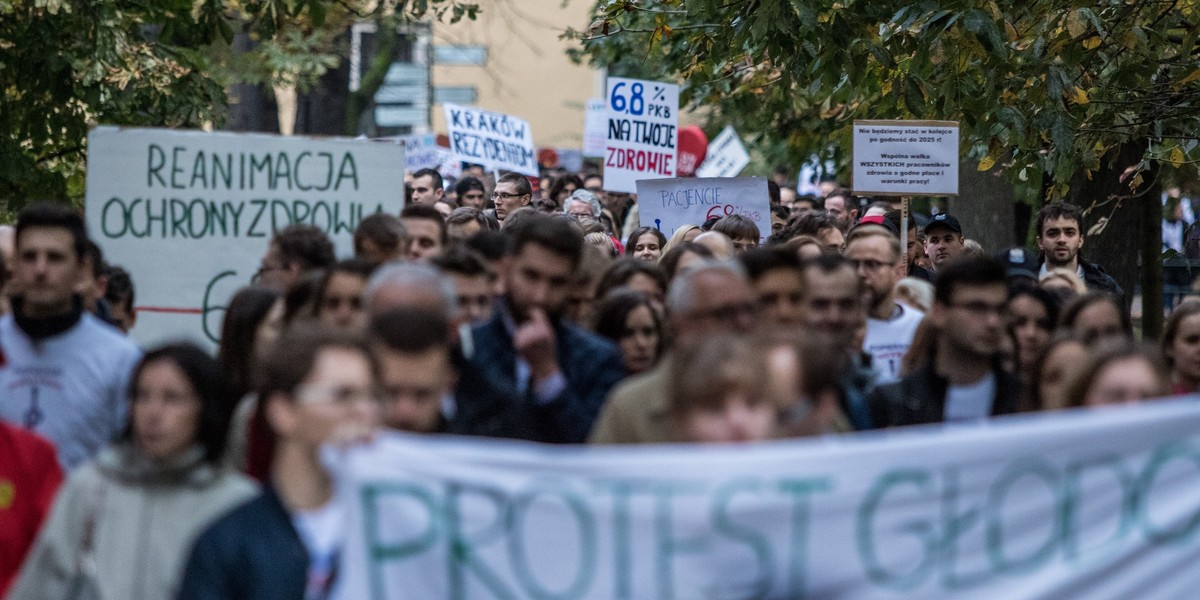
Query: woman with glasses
{"x":318,"y":387}
{"x":125,"y":521}
{"x":339,"y":299}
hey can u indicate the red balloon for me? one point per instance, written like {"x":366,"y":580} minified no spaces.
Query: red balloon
{"x":693,"y":146}
{"x":547,"y":157}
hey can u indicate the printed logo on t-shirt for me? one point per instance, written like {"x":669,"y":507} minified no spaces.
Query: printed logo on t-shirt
{"x":8,"y":493}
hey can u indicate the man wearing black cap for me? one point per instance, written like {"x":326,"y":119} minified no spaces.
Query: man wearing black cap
{"x":1022,"y":265}
{"x":943,"y":240}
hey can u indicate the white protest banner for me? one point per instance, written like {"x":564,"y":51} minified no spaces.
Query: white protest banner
{"x":494,"y":140}
{"x":667,"y":204}
{"x":726,"y":155}
{"x":595,"y":127}
{"x":421,"y":152}
{"x":190,"y":214}
{"x":643,"y":132}
{"x":906,"y":158}
{"x":1068,"y":505}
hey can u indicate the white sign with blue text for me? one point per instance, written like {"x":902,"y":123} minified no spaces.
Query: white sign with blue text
{"x":668,"y":204}
{"x":643,"y":132}
{"x":494,"y":140}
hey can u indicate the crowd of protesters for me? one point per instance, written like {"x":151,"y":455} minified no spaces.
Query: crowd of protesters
{"x":515,"y":308}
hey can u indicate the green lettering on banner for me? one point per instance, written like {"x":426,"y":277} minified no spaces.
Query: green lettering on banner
{"x":283,"y":169}
{"x":179,"y":218}
{"x":586,"y":574}
{"x":463,"y":557}
{"x":222,"y":173}
{"x":377,"y":549}
{"x":622,"y":544}
{"x":1025,"y":468}
{"x":1073,"y":497}
{"x":300,"y":161}
{"x":276,"y":222}
{"x":207,"y":309}
{"x":156,"y":159}
{"x":124,"y":218}
{"x":328,"y":171}
{"x":263,"y":166}
{"x":347,"y":170}
{"x":954,"y":525}
{"x":199,"y":171}
{"x":667,"y":545}
{"x":753,"y":539}
{"x":204,"y":216}
{"x":322,"y":207}
{"x":150,"y":219}
{"x":175,"y":168}
{"x":800,"y":490}
{"x":872,"y":566}
{"x":254,"y":230}
{"x":1145,"y":484}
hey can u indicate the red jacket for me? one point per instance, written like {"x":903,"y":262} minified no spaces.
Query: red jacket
{"x":29,"y":478}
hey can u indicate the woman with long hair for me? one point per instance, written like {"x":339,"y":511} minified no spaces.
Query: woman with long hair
{"x":134,"y":511}
{"x":630,"y":319}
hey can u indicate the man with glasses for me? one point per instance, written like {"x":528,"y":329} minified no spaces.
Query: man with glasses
{"x":513,"y":191}
{"x":293,"y":251}
{"x":318,"y":387}
{"x":875,"y":254}
{"x":583,"y":206}
{"x":963,"y":378}
{"x":711,"y":298}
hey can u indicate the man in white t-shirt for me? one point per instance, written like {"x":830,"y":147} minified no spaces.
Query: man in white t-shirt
{"x":963,"y":379}
{"x":63,"y":373}
{"x":875,"y":254}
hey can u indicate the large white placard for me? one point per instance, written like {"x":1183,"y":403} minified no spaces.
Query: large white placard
{"x":906,"y":158}
{"x":494,"y":140}
{"x":1103,"y":504}
{"x":726,"y":155}
{"x":643,"y":132}
{"x":190,"y":214}
{"x":595,"y":127}
{"x":667,"y":204}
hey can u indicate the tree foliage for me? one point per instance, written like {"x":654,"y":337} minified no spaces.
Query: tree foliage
{"x":1051,"y":87}
{"x":68,"y":64}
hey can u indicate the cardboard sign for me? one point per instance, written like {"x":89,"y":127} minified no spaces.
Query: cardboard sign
{"x":494,"y":140}
{"x":668,"y":204}
{"x":906,"y":158}
{"x":643,"y":132}
{"x":595,"y":127}
{"x":726,"y":155}
{"x":1071,"y":505}
{"x":190,"y":214}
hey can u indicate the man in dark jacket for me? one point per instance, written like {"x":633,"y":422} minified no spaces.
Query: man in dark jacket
{"x":1060,"y":237}
{"x":530,"y":374}
{"x":963,"y":379}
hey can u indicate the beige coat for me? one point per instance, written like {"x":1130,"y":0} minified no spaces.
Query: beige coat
{"x":147,"y":515}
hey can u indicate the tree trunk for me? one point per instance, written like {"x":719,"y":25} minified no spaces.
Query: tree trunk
{"x":285,"y":99}
{"x":984,"y":207}
{"x":1123,"y":228}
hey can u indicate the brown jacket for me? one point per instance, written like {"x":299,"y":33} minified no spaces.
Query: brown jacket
{"x":636,"y":410}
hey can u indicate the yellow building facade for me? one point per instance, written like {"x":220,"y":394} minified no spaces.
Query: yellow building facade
{"x":511,"y":60}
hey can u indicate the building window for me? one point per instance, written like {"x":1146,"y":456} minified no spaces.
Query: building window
{"x":460,"y":55}
{"x":455,"y":94}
